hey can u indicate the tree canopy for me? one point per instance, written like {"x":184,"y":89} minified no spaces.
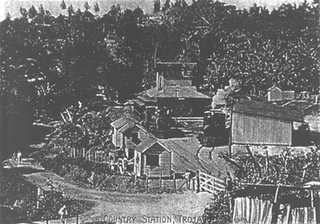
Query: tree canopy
{"x":51,"y":63}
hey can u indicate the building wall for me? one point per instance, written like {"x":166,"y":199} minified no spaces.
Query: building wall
{"x":185,"y":107}
{"x":275,"y":94}
{"x":127,"y":138}
{"x":137,"y":163}
{"x":164,"y":167}
{"x":116,"y":138}
{"x":247,"y":129}
{"x":181,"y":82}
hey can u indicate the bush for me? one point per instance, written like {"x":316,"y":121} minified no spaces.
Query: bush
{"x":89,"y":174}
{"x":219,"y":210}
{"x":14,"y":187}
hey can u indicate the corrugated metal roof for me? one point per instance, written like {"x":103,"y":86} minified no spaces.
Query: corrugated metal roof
{"x":176,"y":92}
{"x":120,"y":122}
{"x":265,"y":109}
{"x":130,"y":125}
{"x":185,"y":155}
{"x":298,"y":104}
{"x":139,"y":102}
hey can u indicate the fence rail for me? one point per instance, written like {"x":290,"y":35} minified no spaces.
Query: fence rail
{"x":210,"y":183}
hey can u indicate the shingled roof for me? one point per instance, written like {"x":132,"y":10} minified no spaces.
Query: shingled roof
{"x":176,"y":92}
{"x":265,"y":109}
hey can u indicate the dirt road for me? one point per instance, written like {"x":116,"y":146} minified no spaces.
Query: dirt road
{"x":129,"y":208}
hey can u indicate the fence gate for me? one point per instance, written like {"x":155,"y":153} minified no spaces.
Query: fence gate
{"x":210,"y":183}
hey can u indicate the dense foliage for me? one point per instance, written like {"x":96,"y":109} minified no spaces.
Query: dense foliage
{"x":15,"y":187}
{"x":218,"y":211}
{"x":286,"y":168}
{"x":49,"y":64}
{"x":88,"y":174}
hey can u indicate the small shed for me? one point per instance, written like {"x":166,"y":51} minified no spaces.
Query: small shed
{"x":152,"y":158}
{"x":274,"y":94}
{"x":262,"y":123}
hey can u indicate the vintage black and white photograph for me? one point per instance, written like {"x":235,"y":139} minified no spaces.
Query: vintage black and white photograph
{"x":160,"y":111}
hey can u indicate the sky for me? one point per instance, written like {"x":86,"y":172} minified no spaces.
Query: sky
{"x":13,"y":6}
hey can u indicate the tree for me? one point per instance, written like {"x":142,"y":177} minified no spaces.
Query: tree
{"x":156,"y":6}
{"x":86,"y":6}
{"x":63,"y":5}
{"x":166,"y":6}
{"x":70,"y":10}
{"x":96,"y":7}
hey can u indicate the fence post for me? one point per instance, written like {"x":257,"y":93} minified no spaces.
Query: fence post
{"x":160,"y":182}
{"x":198,"y":181}
{"x":174,"y":182}
{"x":193,"y":184}
{"x":147,"y":179}
{"x":77,"y":219}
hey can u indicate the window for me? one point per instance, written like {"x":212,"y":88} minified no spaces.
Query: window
{"x":153,"y":160}
{"x":135,"y":138}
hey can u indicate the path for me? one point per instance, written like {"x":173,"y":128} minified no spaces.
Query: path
{"x":141,"y":207}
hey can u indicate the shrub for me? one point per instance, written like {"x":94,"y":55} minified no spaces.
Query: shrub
{"x":14,"y":187}
{"x":219,"y":210}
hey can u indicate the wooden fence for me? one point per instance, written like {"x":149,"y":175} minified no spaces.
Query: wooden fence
{"x":96,"y":156}
{"x":201,"y":182}
{"x":209,"y":183}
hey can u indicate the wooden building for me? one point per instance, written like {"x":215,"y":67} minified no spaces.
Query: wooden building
{"x":155,"y":157}
{"x":132,"y":135}
{"x":116,"y":125}
{"x":262,"y":123}
{"x":275,"y":94}
{"x":152,"y":158}
{"x":176,"y":90}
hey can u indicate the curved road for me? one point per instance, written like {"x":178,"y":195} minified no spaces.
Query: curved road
{"x":130,"y":208}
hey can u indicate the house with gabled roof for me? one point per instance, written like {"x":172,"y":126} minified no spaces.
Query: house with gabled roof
{"x":275,"y":94}
{"x":148,"y":155}
{"x":176,"y":90}
{"x":152,"y":158}
{"x":155,"y":157}
{"x":132,"y":134}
